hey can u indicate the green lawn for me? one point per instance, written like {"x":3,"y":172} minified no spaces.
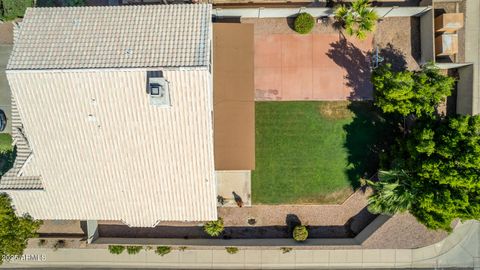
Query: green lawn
{"x":7,"y":153}
{"x":312,"y":152}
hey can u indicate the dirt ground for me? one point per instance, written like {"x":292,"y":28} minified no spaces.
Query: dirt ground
{"x":6,"y":33}
{"x":399,"y":45}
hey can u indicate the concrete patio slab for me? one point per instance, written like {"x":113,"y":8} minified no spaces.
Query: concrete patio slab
{"x":231,"y":184}
{"x":320,"y":66}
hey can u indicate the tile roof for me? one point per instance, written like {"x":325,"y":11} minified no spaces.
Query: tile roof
{"x":134,"y":162}
{"x":13,"y":178}
{"x":113,"y":37}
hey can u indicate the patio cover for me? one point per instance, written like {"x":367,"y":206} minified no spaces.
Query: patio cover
{"x":233,"y":88}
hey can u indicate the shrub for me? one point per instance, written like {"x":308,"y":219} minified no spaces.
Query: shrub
{"x":115,"y":249}
{"x":285,"y":249}
{"x":214,"y":228}
{"x":12,"y":9}
{"x":42,"y":242}
{"x":59,"y":244}
{"x":163,"y":250}
{"x":300,"y":233}
{"x":182,"y":248}
{"x":133,"y":249}
{"x":232,"y":250}
{"x":304,"y":23}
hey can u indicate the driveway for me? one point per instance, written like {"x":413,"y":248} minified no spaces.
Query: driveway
{"x":318,"y":66}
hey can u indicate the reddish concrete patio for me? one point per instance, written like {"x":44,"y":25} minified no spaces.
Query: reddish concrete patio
{"x":319,"y":66}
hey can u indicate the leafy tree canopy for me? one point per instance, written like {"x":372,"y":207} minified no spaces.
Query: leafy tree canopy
{"x":446,"y":158}
{"x":442,"y":158}
{"x":12,"y":9}
{"x":407,"y":92}
{"x":14,"y":231}
{"x":358,"y":19}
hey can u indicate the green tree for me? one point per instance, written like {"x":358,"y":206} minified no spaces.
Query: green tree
{"x":446,"y":156}
{"x":214,"y":228}
{"x":14,"y":230}
{"x":393,"y":193}
{"x":442,"y":157}
{"x":12,"y":9}
{"x":407,"y":92}
{"x":358,"y":19}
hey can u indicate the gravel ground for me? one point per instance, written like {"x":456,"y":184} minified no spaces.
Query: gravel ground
{"x":399,"y":45}
{"x":403,"y":231}
{"x":313,"y":215}
{"x":285,"y":26}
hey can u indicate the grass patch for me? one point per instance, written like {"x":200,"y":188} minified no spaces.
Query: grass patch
{"x":313,"y":151}
{"x":5,"y":142}
{"x":7,"y":153}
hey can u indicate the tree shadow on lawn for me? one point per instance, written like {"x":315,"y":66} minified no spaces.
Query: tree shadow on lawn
{"x":367,"y":138}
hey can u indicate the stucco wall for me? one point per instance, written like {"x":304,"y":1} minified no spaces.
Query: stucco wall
{"x":427,"y":37}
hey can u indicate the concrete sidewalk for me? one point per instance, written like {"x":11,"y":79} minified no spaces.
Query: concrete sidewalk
{"x":460,"y":249}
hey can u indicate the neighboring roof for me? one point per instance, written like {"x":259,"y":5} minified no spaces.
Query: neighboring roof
{"x":13,"y":178}
{"x":234,"y":106}
{"x":113,"y":37}
{"x":105,"y":153}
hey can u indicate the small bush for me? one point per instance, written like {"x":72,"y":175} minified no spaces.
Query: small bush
{"x":59,"y":244}
{"x":12,"y":9}
{"x":182,"y":248}
{"x":232,"y":250}
{"x":304,"y":23}
{"x":285,"y":249}
{"x":134,"y":249}
{"x":115,"y":249}
{"x":300,"y":233}
{"x":42,"y":242}
{"x":163,"y":250}
{"x":214,"y":228}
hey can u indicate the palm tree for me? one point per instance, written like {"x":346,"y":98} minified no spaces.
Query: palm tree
{"x":358,"y":20}
{"x":393,"y":193}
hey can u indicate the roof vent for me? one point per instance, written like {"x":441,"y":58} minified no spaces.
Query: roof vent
{"x":158,"y":90}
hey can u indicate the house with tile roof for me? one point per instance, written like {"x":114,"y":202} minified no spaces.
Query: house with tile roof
{"x":113,"y":114}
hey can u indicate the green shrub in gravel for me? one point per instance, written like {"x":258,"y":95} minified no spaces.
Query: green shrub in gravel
{"x":304,"y":23}
{"x":116,"y":249}
{"x":163,"y":250}
{"x":134,"y":249}
{"x":300,"y":233}
{"x":214,"y":228}
{"x":232,"y":250}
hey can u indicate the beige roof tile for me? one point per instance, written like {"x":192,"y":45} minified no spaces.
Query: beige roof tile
{"x":108,"y":37}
